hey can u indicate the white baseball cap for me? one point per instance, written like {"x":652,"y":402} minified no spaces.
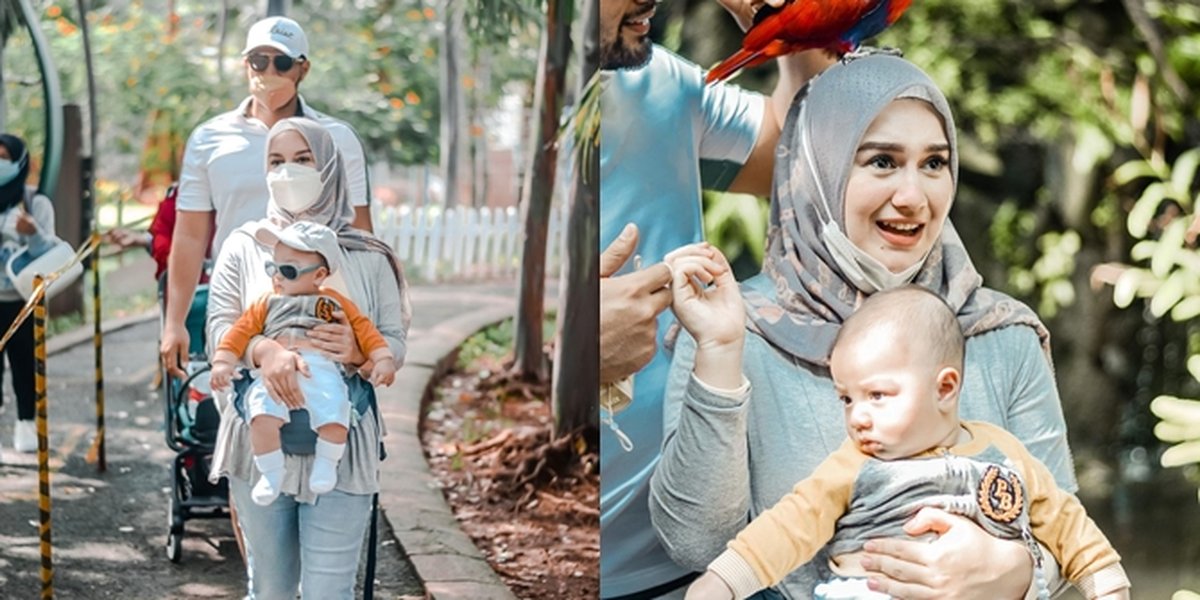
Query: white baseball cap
{"x":305,"y":236}
{"x":280,"y":33}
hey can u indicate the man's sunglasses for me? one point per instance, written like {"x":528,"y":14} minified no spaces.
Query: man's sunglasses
{"x":283,"y":62}
{"x":290,"y":272}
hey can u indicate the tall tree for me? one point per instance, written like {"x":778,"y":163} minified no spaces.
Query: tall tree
{"x":450,"y":90}
{"x":539,"y":187}
{"x":577,"y":355}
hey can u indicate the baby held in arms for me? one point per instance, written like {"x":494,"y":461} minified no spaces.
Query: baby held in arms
{"x":897,"y":366}
{"x":305,"y":254}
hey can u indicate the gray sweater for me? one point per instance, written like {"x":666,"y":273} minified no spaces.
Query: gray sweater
{"x":725,"y":460}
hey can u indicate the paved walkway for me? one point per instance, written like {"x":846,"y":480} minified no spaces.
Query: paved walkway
{"x":419,"y":529}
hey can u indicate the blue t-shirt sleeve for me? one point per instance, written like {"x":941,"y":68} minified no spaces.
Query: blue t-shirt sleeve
{"x":730,"y":121}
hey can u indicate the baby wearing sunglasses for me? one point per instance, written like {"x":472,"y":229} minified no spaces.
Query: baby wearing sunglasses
{"x":305,"y":254}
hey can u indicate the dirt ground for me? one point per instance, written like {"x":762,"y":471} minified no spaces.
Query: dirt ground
{"x":530,"y":503}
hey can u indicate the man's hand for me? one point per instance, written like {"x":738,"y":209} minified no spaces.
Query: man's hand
{"x":174,"y":348}
{"x":743,"y":10}
{"x":948,"y":567}
{"x":629,"y":305}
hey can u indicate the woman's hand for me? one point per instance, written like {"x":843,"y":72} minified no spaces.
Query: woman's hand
{"x":337,"y":341}
{"x":949,"y":566}
{"x":711,"y":310}
{"x":25,"y":223}
{"x":278,"y":367}
{"x":707,"y":302}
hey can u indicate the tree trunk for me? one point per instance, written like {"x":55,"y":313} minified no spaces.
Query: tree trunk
{"x":452,"y":103}
{"x":479,"y":140}
{"x":575,"y":392}
{"x":539,"y":188}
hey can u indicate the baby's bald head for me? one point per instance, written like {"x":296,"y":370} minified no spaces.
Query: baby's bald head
{"x":915,"y":317}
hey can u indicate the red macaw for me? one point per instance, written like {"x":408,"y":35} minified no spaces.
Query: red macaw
{"x":839,"y":25}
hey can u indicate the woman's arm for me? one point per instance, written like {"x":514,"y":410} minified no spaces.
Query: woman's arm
{"x":700,"y":491}
{"x":42,"y":212}
{"x":1034,"y":412}
{"x":386,"y":314}
{"x":225,"y":290}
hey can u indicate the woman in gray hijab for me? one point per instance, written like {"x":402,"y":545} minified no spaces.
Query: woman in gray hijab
{"x":866,"y":177}
{"x":302,"y":539}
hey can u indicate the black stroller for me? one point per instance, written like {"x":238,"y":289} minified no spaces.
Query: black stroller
{"x":191,"y":420}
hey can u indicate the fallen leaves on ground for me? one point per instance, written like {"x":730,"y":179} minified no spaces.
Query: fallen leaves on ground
{"x":528,"y":500}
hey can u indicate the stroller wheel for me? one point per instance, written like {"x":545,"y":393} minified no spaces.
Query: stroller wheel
{"x":174,"y":546}
{"x":175,"y":532}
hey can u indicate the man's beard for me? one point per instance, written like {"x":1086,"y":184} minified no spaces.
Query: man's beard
{"x":624,"y":56}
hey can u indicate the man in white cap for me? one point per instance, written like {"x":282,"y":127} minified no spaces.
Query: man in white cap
{"x":224,"y":167}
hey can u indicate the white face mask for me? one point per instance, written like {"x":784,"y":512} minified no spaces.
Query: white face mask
{"x":9,"y":169}
{"x":294,"y":187}
{"x":863,"y":270}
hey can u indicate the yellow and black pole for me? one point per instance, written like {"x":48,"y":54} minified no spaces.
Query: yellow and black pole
{"x":39,"y":382}
{"x":98,"y":343}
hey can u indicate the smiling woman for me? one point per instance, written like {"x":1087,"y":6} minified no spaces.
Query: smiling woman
{"x":860,"y":204}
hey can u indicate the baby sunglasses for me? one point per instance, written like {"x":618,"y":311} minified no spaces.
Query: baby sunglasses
{"x":283,"y":62}
{"x":290,"y":272}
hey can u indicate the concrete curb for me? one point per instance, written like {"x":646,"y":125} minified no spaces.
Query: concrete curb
{"x":446,"y":560}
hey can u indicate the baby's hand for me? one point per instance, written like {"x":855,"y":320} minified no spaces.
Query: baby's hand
{"x":221,"y":375}
{"x":708,"y":587}
{"x":384,"y":372}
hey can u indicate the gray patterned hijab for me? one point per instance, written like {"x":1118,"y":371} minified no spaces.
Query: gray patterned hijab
{"x":333,"y":207}
{"x":815,"y":156}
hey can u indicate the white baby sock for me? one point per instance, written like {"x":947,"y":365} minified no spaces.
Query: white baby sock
{"x":271,"y":467}
{"x":324,"y":470}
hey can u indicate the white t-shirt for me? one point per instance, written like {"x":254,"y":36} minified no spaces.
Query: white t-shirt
{"x":224,"y":167}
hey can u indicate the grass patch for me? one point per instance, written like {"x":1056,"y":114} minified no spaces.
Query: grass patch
{"x":496,"y":342}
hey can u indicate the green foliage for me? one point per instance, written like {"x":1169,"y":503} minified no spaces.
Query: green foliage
{"x":496,"y":342}
{"x":374,"y":65}
{"x":492,"y":22}
{"x":737,"y":224}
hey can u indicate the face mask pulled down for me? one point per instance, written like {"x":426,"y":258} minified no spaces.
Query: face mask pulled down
{"x":272,"y":91}
{"x":294,"y":187}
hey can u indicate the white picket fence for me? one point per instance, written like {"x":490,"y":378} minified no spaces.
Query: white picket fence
{"x":466,"y":243}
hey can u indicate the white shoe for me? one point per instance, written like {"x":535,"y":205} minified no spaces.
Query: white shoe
{"x":25,"y":437}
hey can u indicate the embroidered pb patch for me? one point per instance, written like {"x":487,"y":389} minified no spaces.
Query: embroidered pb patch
{"x":324,"y":309}
{"x":1001,"y":497}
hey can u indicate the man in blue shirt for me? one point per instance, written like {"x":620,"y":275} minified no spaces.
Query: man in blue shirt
{"x":659,"y":122}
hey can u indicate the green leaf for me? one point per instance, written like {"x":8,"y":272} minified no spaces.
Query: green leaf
{"x":1167,"y":296}
{"x":1144,"y":209}
{"x":1187,"y":309}
{"x":1182,"y":454}
{"x":1184,"y":172}
{"x":1126,"y":287}
{"x":1170,"y":245}
{"x":1132,"y":170}
{"x":1143,"y":250}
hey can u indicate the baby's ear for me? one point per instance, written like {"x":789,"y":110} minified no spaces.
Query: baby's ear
{"x":949,"y":381}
